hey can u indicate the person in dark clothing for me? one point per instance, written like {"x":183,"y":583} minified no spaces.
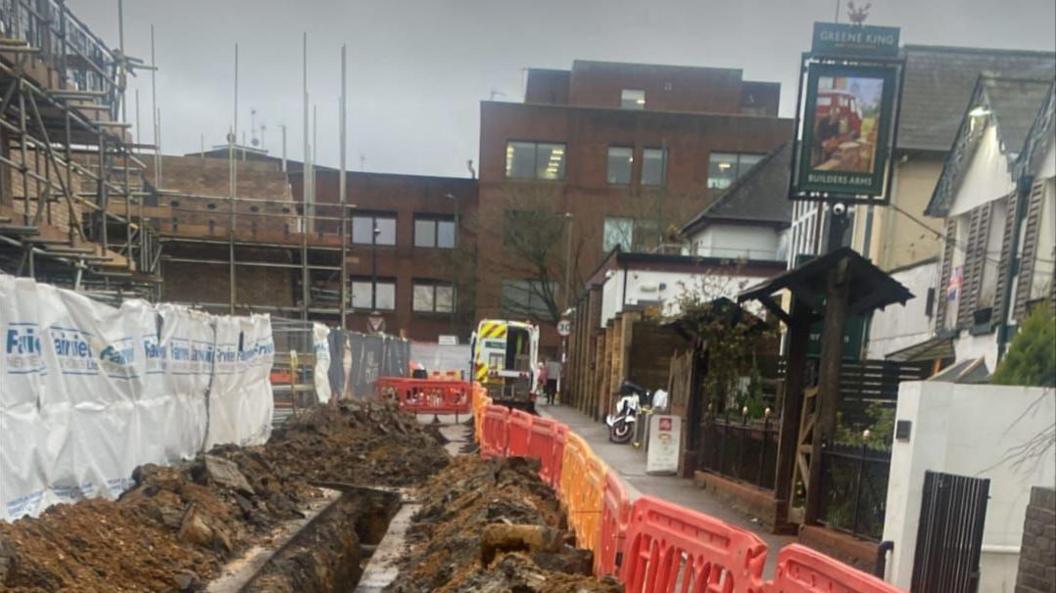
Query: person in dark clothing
{"x":826,"y":137}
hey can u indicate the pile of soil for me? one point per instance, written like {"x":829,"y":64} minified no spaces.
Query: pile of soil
{"x":178,"y":525}
{"x":358,"y":443}
{"x":463,"y":505}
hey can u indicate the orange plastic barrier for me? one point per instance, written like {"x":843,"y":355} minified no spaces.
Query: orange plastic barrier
{"x":480,"y":400}
{"x":668,"y":544}
{"x":519,"y":432}
{"x":802,"y":570}
{"x":426,"y":396}
{"x":582,"y":487}
{"x":615,"y":518}
{"x":494,"y":431}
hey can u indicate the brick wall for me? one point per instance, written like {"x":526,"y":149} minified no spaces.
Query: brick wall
{"x":1037,"y":556}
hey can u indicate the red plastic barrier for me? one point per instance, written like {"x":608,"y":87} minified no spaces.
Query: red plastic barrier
{"x":668,"y":544}
{"x":427,"y":396}
{"x":615,"y":518}
{"x":494,"y":431}
{"x":560,"y":438}
{"x":520,"y":431}
{"x":541,"y":446}
{"x":802,"y":570}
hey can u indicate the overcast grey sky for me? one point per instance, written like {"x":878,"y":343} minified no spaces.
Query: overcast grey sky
{"x":418,"y":68}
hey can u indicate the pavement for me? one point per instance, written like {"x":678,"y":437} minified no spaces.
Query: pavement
{"x":629,"y":463}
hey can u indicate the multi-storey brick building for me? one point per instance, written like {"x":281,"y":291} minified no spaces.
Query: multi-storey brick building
{"x":620,"y":154}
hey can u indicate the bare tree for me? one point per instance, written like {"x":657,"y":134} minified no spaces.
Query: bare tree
{"x":540,"y":255}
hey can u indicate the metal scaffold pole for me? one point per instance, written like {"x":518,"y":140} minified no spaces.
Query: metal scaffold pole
{"x":233,"y":172}
{"x":342,"y":192}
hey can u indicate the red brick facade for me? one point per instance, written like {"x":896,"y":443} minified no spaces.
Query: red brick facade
{"x":697,"y":111}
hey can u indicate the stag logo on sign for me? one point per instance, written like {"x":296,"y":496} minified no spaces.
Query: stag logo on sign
{"x":73,"y":349}
{"x":22,"y":351}
{"x":118,"y":359}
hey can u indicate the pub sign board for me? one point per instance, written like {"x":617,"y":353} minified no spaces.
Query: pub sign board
{"x":850,"y":86}
{"x":835,"y":39}
{"x":846,"y":127}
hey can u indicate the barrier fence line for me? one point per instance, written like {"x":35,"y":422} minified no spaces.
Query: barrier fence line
{"x":652,"y":546}
{"x":439,"y":395}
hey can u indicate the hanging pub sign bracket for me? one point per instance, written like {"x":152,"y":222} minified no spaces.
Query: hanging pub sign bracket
{"x":847,"y":111}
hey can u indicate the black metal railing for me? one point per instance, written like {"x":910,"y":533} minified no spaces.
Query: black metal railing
{"x":854,"y":483}
{"x":742,"y":448}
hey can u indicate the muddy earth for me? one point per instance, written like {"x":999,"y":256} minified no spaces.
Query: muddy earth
{"x":174,"y":530}
{"x":493,"y":527}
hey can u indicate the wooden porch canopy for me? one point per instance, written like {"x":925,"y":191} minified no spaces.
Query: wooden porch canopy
{"x":720,"y":309}
{"x":834,"y":287}
{"x":870,"y":287}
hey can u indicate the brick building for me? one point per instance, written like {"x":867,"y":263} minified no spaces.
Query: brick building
{"x":425,"y":248}
{"x":621,"y":154}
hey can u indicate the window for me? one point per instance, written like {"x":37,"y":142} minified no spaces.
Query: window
{"x":434,"y":232}
{"x":621,"y":161}
{"x":535,"y":160}
{"x":433,"y":297}
{"x":361,"y":294}
{"x":632,"y":99}
{"x":363,"y":226}
{"x":528,"y":298}
{"x":725,"y":167}
{"x":654,"y":166}
{"x":631,"y":235}
{"x":618,"y":231}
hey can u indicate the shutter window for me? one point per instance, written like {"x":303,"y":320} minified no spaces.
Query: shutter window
{"x":947,"y":270}
{"x":1008,"y":244}
{"x":1029,"y":256}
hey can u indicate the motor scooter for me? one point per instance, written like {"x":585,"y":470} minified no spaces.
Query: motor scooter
{"x":632,"y":400}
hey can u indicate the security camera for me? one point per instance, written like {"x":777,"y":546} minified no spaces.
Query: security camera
{"x":839,"y":209}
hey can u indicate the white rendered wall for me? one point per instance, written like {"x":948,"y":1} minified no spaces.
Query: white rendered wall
{"x":969,"y":430}
{"x":900,"y":326}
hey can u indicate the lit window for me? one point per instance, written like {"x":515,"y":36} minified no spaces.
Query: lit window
{"x":364,"y":225}
{"x":621,"y":161}
{"x":362,"y":294}
{"x":654,"y":166}
{"x":535,"y":160}
{"x":618,"y":231}
{"x":632,"y":99}
{"x":725,"y":167}
{"x":432,"y":297}
{"x":434,"y":232}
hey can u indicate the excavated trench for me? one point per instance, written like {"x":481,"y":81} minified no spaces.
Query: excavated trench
{"x":327,"y":551}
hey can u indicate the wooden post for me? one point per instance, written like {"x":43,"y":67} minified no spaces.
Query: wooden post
{"x":792,"y":407}
{"x":837,"y":295}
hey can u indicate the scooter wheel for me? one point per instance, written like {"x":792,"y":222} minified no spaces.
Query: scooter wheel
{"x":621,"y":432}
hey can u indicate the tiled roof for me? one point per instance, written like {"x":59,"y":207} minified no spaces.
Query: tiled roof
{"x":939,"y":83}
{"x":1013,"y":104}
{"x":760,"y":195}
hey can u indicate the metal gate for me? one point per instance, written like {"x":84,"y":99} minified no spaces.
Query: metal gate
{"x":950,"y":534}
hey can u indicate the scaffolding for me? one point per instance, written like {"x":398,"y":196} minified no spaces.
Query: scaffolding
{"x":84,"y":206}
{"x":71,"y":183}
{"x":270,"y":234}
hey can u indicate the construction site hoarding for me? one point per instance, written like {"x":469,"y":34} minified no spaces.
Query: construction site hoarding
{"x":89,"y":392}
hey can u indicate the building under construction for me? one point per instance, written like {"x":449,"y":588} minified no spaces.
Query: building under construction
{"x":71,"y":180}
{"x":82,"y":205}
